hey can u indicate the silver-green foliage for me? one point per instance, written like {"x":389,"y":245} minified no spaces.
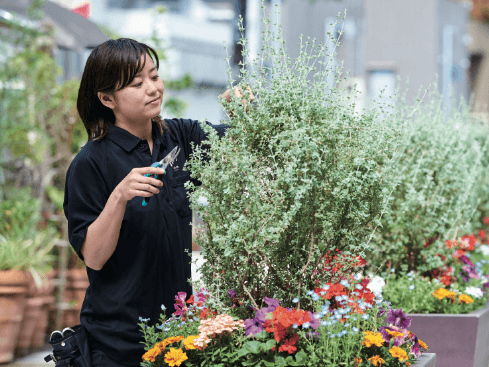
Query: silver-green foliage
{"x":297,"y":176}
{"x":436,"y":194}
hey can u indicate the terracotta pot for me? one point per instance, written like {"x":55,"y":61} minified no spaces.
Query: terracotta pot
{"x":47,"y":295}
{"x":13,"y":287}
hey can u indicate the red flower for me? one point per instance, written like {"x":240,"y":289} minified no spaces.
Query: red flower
{"x":191,"y":299}
{"x":469,"y":242}
{"x":486,"y":220}
{"x":289,"y":345}
{"x":482,"y":234}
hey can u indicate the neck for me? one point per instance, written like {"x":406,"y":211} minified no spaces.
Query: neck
{"x":141,"y":130}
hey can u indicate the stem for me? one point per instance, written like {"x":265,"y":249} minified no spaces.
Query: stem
{"x":311,"y":247}
{"x":251,"y":297}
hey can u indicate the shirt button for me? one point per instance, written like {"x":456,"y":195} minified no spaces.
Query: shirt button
{"x":142,"y":146}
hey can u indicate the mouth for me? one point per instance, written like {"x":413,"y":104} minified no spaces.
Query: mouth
{"x":154,"y":101}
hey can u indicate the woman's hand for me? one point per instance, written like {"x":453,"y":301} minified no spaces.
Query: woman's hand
{"x":239,"y":93}
{"x":135,"y":184}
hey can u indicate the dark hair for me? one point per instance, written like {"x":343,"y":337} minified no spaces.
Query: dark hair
{"x":110,"y":67}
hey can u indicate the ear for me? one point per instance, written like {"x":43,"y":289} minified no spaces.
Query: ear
{"x":107,"y":100}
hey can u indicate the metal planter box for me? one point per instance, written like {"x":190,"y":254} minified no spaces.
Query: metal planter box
{"x":458,"y":340}
{"x":426,"y":360}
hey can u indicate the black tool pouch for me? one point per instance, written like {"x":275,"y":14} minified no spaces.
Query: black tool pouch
{"x":71,"y":351}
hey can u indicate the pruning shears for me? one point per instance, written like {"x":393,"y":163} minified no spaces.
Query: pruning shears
{"x":168,"y":160}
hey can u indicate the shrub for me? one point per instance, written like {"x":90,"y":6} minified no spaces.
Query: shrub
{"x":297,"y":176}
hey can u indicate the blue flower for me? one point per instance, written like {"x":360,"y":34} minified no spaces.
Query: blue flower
{"x":325,"y":323}
{"x":167,"y":329}
{"x":359,"y":287}
{"x":295,"y":300}
{"x":355,"y":329}
{"x":411,"y":287}
{"x":345,"y":283}
{"x":182,"y":323}
{"x":357,"y":277}
{"x":346,"y":325}
{"x":338,"y":298}
{"x":294,"y":326}
{"x":323,"y":293}
{"x":346,"y":316}
{"x":332,"y":335}
{"x":354,"y":318}
{"x":318,"y":315}
{"x":393,"y":270}
{"x":326,"y":286}
{"x":163,"y":308}
{"x":159,"y":327}
{"x":309,"y":293}
{"x":365,"y":317}
{"x":483,"y":261}
{"x":191,"y":320}
{"x":306,"y":325}
{"x":315,"y":297}
{"x":468,"y":255}
{"x":345,"y":297}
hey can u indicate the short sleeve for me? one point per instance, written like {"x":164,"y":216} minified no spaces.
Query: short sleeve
{"x":86,"y":194}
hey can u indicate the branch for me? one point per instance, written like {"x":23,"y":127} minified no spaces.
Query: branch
{"x":308,"y":259}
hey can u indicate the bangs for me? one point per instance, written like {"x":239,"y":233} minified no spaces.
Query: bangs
{"x":126,"y":63}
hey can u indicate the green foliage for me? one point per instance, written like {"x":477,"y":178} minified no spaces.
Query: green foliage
{"x":19,"y":213}
{"x":298,"y":175}
{"x":414,"y":294}
{"x":438,"y":168}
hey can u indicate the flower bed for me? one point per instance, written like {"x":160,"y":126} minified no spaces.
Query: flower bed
{"x":338,"y":323}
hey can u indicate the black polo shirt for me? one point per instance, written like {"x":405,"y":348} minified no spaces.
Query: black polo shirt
{"x":149,"y":265}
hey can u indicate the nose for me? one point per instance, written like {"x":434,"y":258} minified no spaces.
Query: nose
{"x":151,"y":88}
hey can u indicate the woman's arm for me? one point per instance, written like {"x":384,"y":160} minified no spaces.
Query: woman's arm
{"x":103,"y":234}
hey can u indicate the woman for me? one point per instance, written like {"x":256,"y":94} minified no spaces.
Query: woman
{"x":135,"y":255}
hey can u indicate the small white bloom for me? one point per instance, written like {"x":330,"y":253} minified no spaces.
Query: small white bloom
{"x":484,"y":249}
{"x":474,"y":291}
{"x":376,"y":284}
{"x":411,"y":287}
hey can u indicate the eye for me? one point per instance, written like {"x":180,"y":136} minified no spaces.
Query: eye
{"x":138,"y":84}
{"x":155,"y":77}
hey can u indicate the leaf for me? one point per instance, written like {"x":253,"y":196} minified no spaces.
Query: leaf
{"x":253,"y":346}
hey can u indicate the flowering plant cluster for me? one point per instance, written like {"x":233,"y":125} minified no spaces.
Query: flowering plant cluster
{"x":339,"y":323}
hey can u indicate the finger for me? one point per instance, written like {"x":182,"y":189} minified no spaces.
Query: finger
{"x":148,"y":188}
{"x":150,"y":181}
{"x":151,"y":170}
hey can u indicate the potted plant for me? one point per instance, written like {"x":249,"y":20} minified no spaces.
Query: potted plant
{"x":454,"y":299}
{"x":24,"y":254}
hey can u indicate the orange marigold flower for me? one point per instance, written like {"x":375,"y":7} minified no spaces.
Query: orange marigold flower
{"x":407,"y":363}
{"x":395,"y":334}
{"x":422,"y":344}
{"x":399,"y":353}
{"x":175,"y":357}
{"x":189,"y":342}
{"x":441,"y":293}
{"x":358,"y":361}
{"x":173,"y":339}
{"x":465,"y":298}
{"x":376,"y":360}
{"x":151,"y":354}
{"x":373,"y":338}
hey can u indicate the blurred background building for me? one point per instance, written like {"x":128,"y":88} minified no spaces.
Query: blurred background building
{"x":382,"y":40}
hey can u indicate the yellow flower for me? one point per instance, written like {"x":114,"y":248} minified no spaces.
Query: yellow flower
{"x":175,"y":357}
{"x":151,"y":354}
{"x":441,"y":293}
{"x":465,"y":298}
{"x":376,"y":361}
{"x":395,"y":334}
{"x":373,"y":338}
{"x":397,"y":352}
{"x":189,"y":342}
{"x":422,"y":344}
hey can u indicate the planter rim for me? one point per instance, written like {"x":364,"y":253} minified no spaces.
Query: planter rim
{"x":476,"y":313}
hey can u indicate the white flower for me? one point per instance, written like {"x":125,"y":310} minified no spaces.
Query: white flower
{"x":474,"y":291}
{"x":484,"y":249}
{"x":376,"y":284}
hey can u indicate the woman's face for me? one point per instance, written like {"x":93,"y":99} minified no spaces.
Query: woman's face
{"x":141,"y":100}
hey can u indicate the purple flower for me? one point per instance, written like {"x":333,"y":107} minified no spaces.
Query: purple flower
{"x":466,"y":260}
{"x":232,"y":293}
{"x":470,"y":271}
{"x":271,"y":302}
{"x":384,"y":330}
{"x":314,"y":323}
{"x":415,"y":348}
{"x":398,"y":318}
{"x":381,"y":312}
{"x":252,"y":327}
{"x":313,"y":335}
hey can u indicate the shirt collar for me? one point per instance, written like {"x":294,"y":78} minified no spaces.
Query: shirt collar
{"x":125,"y":139}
